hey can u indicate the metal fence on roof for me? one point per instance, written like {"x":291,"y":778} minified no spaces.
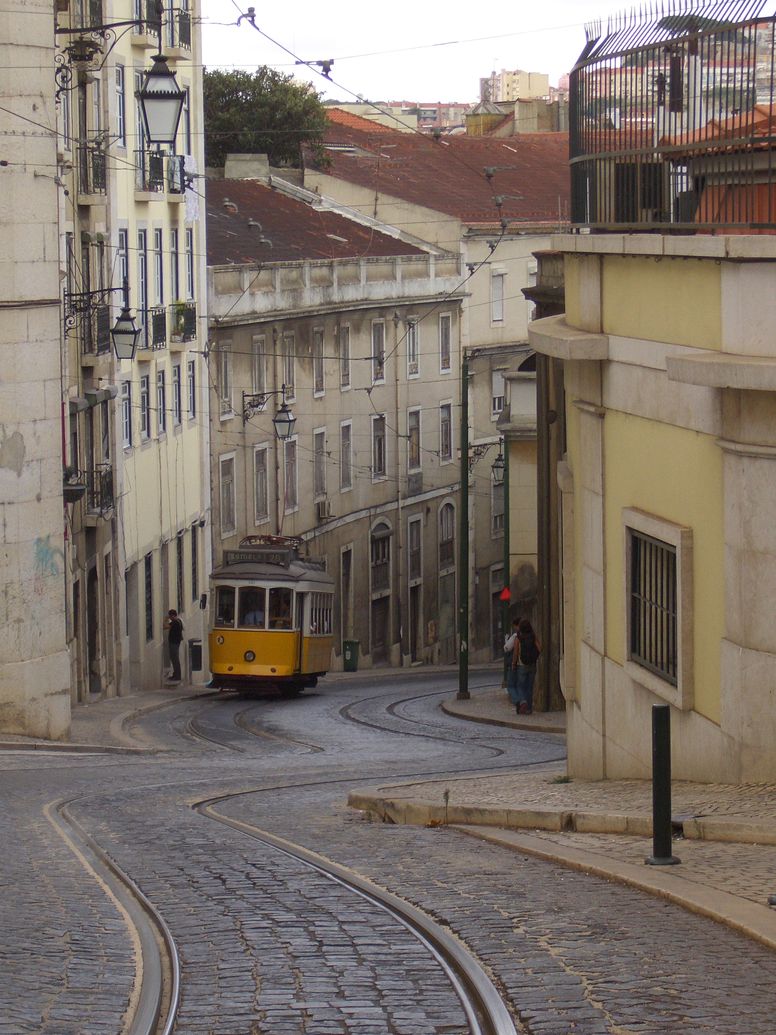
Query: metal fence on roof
{"x":672,"y":120}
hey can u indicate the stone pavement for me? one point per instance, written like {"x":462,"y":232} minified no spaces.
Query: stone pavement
{"x":726,"y":835}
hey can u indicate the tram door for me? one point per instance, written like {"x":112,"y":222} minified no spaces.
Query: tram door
{"x":300,"y":628}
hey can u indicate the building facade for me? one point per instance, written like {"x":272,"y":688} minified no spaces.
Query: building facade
{"x":135,"y":430}
{"x":663,"y":368}
{"x":34,"y":670}
{"x":364,"y":348}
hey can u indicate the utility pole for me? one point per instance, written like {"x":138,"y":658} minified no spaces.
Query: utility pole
{"x":463,"y":542}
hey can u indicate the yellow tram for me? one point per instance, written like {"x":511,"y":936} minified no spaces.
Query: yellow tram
{"x":271,"y":617}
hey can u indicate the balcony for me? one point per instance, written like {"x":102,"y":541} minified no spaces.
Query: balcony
{"x":93,"y":326}
{"x":92,"y":177}
{"x":149,"y":172}
{"x":148,"y":27}
{"x":158,"y":322}
{"x":99,"y":489}
{"x":179,"y":30}
{"x":183,"y":321}
{"x":176,"y":174}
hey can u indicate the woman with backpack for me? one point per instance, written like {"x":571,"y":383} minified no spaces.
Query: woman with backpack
{"x":526,"y":654}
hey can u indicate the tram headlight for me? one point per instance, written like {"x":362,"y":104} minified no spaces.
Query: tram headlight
{"x":219,"y":640}
{"x":249,"y":655}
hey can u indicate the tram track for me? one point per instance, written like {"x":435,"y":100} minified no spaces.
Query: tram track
{"x":155,"y":997}
{"x":485,"y":1011}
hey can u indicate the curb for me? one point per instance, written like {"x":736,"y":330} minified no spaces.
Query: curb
{"x":419,"y":813}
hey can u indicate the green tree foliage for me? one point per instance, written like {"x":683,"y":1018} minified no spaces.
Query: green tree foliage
{"x":264,"y":112}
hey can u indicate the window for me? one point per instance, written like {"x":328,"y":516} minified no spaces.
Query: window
{"x":139,"y":123}
{"x":496,"y":393}
{"x":159,"y":266}
{"x":496,"y":509}
{"x":653,"y":605}
{"x":413,"y":440}
{"x":161,"y":401}
{"x":659,"y":606}
{"x":280,"y":613}
{"x":225,"y":609}
{"x":175,"y":276}
{"x":190,"y":293}
{"x":192,"y":386}
{"x":446,"y":536}
{"x":413,"y":348}
{"x":378,"y":351}
{"x":66,"y":121}
{"x":497,"y":297}
{"x":122,"y":257}
{"x":346,"y":456}
{"x":446,"y":432}
{"x":414,"y":528}
{"x":148,"y":565}
{"x":145,"y":407}
{"x":142,"y":281}
{"x":344,"y":356}
{"x":444,"y":341}
{"x":289,"y":365}
{"x":179,"y":578}
{"x":289,"y":466}
{"x":319,"y":463}
{"x":121,"y":108}
{"x":195,"y":560}
{"x":228,"y":503}
{"x":259,"y":364}
{"x":126,"y":414}
{"x":321,"y":613}
{"x":186,"y":121}
{"x":225,"y":378}
{"x":177,"y":402}
{"x":318,"y":366}
{"x":260,"y":485}
{"x":378,"y":447}
{"x":252,"y":609}
{"x":380,"y":557}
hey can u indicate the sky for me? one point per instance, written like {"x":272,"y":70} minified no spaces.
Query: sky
{"x":414,"y":50}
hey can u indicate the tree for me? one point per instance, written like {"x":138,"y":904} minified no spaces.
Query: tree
{"x":264,"y":112}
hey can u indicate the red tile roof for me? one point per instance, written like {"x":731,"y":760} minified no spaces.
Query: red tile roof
{"x":340,"y":117}
{"x":531,"y":171}
{"x":242,"y":215}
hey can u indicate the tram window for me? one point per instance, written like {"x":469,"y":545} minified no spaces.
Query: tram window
{"x":252,"y":607}
{"x":225,"y":605}
{"x":280,"y":608}
{"x":320,"y":613}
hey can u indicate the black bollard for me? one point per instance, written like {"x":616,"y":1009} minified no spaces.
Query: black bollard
{"x":661,"y":788}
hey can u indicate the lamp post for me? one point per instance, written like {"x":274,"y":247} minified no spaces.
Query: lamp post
{"x":283,"y":421}
{"x":463,"y":543}
{"x":500,"y":468}
{"x":124,"y":333}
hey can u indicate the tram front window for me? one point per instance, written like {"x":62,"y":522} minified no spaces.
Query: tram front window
{"x":280,"y":608}
{"x":225,"y":605}
{"x":252,"y":607}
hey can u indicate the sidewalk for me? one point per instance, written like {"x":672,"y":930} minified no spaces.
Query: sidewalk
{"x":726,"y":835}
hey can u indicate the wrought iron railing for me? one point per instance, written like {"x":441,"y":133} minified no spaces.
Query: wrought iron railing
{"x":92,"y":177}
{"x":148,"y":17}
{"x":94,"y":330}
{"x":176,"y":174}
{"x":158,"y":322}
{"x":99,"y":489}
{"x":149,"y":171}
{"x":673,"y":122}
{"x":179,"y":30}
{"x":183,"y":321}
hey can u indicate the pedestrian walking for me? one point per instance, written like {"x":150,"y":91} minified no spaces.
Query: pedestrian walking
{"x":510,"y":644}
{"x":174,"y":627}
{"x":526,"y":655}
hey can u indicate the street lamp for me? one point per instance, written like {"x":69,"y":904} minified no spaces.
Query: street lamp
{"x":283,"y":421}
{"x":498,"y":467}
{"x":161,"y":102}
{"x":124,"y":333}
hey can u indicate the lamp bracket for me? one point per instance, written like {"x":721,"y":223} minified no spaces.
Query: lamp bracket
{"x":81,"y":303}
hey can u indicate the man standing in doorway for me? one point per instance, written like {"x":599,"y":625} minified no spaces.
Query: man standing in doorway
{"x":174,"y":627}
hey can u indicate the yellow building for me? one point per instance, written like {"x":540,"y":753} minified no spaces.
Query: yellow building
{"x":665,"y":360}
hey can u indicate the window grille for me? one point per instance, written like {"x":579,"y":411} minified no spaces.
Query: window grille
{"x":654,"y":607}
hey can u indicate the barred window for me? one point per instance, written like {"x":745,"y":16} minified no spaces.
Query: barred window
{"x":653,"y":603}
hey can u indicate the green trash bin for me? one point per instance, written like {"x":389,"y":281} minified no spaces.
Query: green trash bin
{"x":350,"y":655}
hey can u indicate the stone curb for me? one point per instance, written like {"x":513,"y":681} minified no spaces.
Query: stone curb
{"x":419,"y":813}
{"x":450,"y":708}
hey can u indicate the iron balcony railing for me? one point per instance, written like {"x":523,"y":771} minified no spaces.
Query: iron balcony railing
{"x":149,"y":171}
{"x":179,"y":30}
{"x":94,"y":330}
{"x":672,"y":119}
{"x":99,"y":489}
{"x":176,"y":178}
{"x":158,"y":322}
{"x":92,"y":177}
{"x":147,"y":18}
{"x":183,"y":321}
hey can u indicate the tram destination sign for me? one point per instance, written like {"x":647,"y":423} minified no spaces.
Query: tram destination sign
{"x":279,"y":555}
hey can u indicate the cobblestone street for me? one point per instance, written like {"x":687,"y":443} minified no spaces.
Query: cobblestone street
{"x":266,"y":945}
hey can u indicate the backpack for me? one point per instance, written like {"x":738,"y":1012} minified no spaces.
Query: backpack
{"x":529,"y":651}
